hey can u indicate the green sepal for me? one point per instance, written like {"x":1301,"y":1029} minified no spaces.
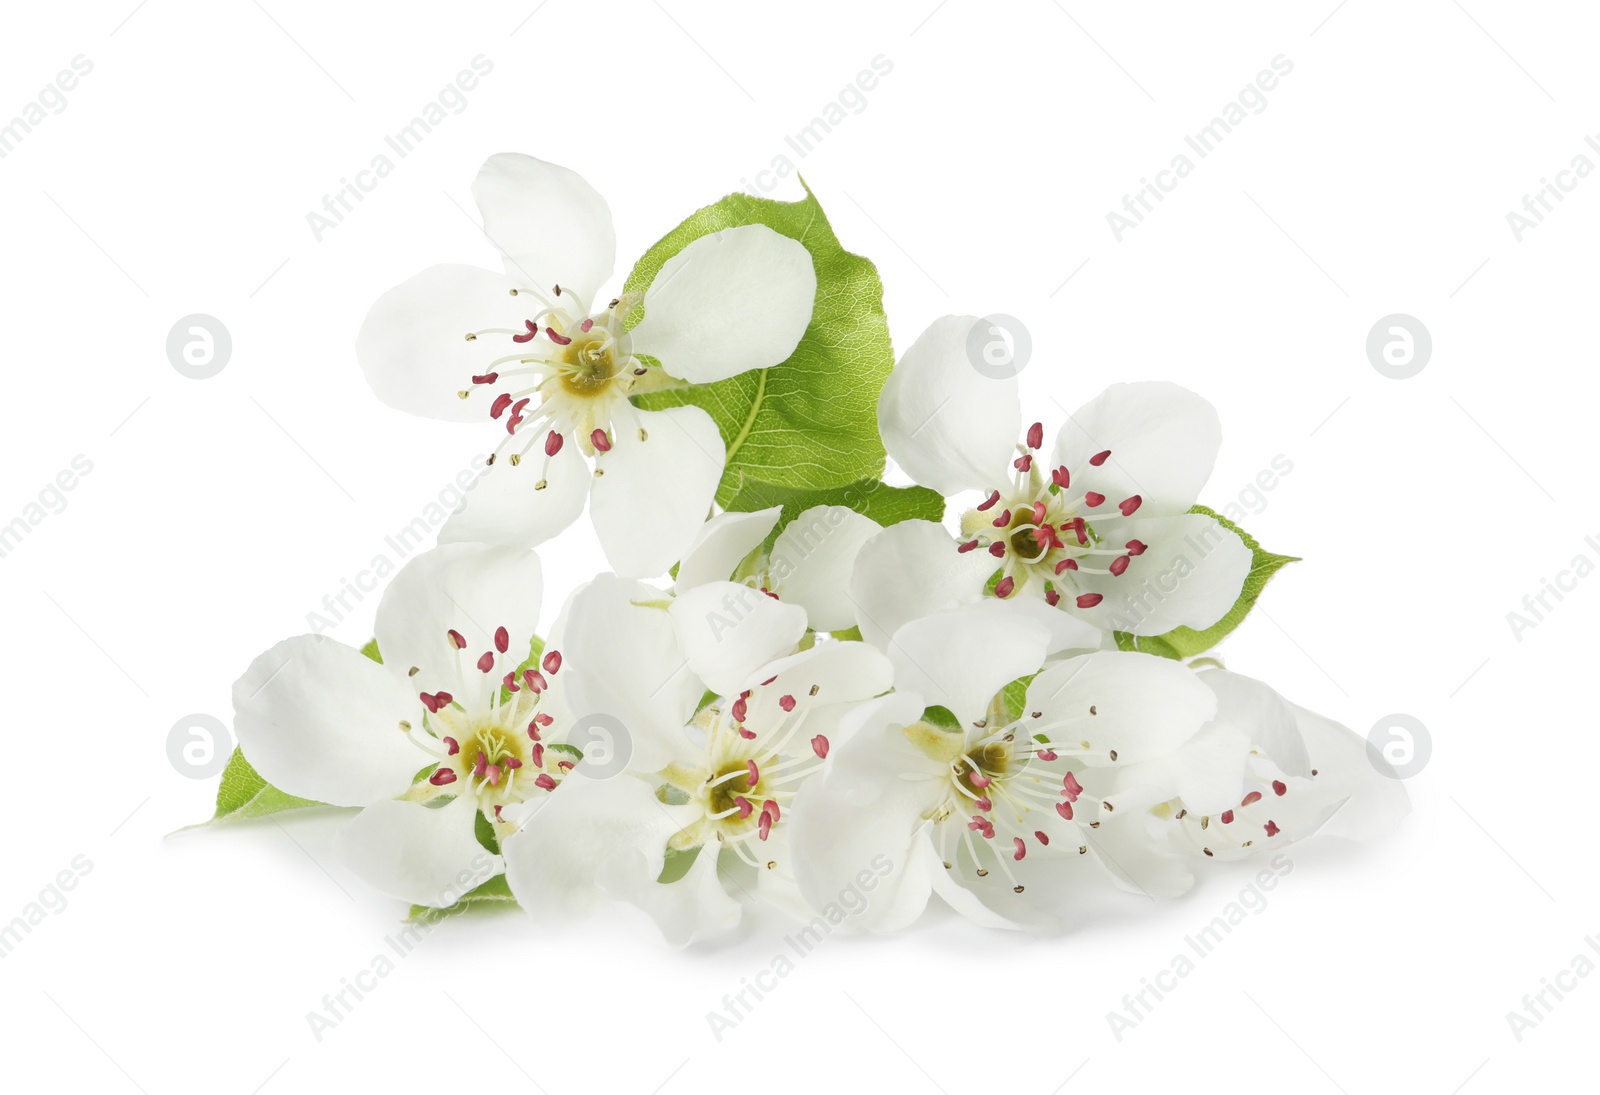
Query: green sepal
{"x":677,"y":864}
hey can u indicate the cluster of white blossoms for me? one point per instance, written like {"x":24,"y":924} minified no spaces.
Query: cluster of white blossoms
{"x":982,"y":686}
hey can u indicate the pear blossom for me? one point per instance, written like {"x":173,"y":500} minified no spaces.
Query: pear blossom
{"x":538,"y":351}
{"x":998,"y":815}
{"x":809,"y":563}
{"x":713,"y":781}
{"x":1304,"y":774}
{"x":1101,"y":532}
{"x":445,"y":734}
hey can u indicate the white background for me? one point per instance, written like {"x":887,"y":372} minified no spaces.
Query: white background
{"x":978,"y":176}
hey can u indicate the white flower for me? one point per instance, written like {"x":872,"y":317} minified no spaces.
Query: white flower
{"x":997,"y":816}
{"x":1102,"y":533}
{"x":535,"y":350}
{"x":320,"y":720}
{"x":1303,"y":774}
{"x":714,"y":783}
{"x":809,"y":563}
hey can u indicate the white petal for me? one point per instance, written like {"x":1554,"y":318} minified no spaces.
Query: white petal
{"x":548,"y":225}
{"x":857,"y":824}
{"x":321,"y":720}
{"x":1059,"y":881}
{"x":1069,"y":632}
{"x":693,"y":908}
{"x":472,"y":589}
{"x":728,"y":631}
{"x":507,"y":506}
{"x":1163,"y":441}
{"x":842,"y":673}
{"x":555,"y":861}
{"x":654,"y":494}
{"x":623,"y":672}
{"x":1133,"y":850}
{"x":1138,"y":706}
{"x":1373,"y":803}
{"x":812,"y":561}
{"x":722,"y":544}
{"x":910,"y":570}
{"x":772,"y":883}
{"x":413,"y":346}
{"x":1207,"y":772}
{"x":735,"y":300}
{"x":424,"y":855}
{"x":965,"y":900}
{"x":960,"y":660}
{"x":1190,"y":575}
{"x":946,"y":424}
{"x":1261,"y":715}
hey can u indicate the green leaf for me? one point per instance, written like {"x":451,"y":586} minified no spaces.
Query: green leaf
{"x":244,"y":794}
{"x":371,"y":651}
{"x":810,"y":423}
{"x":1185,"y":642}
{"x":493,"y":894}
{"x":884,"y":504}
